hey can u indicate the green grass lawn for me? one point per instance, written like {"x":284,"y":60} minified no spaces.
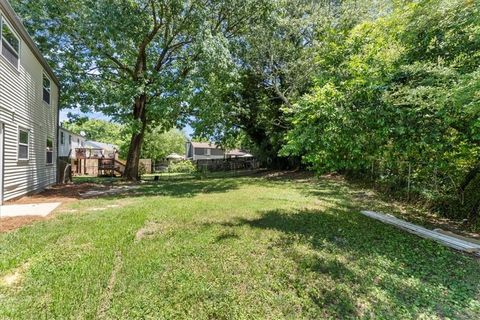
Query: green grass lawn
{"x":229,"y":248}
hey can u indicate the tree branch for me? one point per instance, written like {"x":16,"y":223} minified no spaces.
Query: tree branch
{"x":120,"y":64}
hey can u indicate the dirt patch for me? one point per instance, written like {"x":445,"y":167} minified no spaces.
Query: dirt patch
{"x":298,"y":175}
{"x":14,"y":278}
{"x":12,"y":223}
{"x":149,"y":230}
{"x":65,"y":193}
{"x":107,"y":295}
{"x":116,"y":190}
{"x":60,"y":193}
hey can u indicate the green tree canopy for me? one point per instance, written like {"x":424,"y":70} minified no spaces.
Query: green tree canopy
{"x":98,"y":130}
{"x":159,"y":144}
{"x":397,"y":90}
{"x":138,"y":61}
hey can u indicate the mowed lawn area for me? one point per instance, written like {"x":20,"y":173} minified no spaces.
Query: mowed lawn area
{"x":230,"y":248}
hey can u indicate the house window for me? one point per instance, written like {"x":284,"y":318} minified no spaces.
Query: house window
{"x":10,"y":44}
{"x":199,"y":151}
{"x":216,"y":152}
{"x":62,"y":138}
{"x":70,"y":139}
{"x":49,"y":151}
{"x":46,"y":89}
{"x":23,"y":138}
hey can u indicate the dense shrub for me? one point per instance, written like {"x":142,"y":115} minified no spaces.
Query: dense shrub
{"x":184,"y":166}
{"x":397,"y":98}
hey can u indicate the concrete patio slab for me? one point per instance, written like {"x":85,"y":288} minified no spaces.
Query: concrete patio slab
{"x":23,"y":210}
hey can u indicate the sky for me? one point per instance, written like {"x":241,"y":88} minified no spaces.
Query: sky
{"x":97,"y":115}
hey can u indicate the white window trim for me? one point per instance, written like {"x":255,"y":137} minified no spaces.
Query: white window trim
{"x":46,"y":150}
{"x":20,"y":128}
{"x":2,"y":22}
{"x":44,"y":74}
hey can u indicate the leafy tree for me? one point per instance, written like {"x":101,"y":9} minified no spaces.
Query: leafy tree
{"x":99,"y":130}
{"x":159,"y":144}
{"x":138,"y":61}
{"x":276,"y":65}
{"x":400,"y":89}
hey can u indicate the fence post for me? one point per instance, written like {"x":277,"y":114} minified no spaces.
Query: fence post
{"x":408,"y":180}
{"x":373,"y":177}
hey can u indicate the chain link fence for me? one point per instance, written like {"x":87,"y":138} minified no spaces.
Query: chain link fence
{"x":437,"y":185}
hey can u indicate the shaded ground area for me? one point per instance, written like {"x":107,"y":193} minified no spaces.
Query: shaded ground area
{"x":188,"y":186}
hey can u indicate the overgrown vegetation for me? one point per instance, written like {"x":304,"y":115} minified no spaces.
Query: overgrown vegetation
{"x":230,"y":248}
{"x":396,"y":99}
{"x":379,"y":90}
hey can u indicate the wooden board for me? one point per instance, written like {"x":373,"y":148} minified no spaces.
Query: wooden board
{"x":449,"y":233}
{"x":457,"y":243}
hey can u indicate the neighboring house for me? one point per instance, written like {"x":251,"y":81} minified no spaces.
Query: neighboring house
{"x":68,"y":142}
{"x":203,"y":150}
{"x":207,"y":150}
{"x":29,"y":94}
{"x":101,"y":149}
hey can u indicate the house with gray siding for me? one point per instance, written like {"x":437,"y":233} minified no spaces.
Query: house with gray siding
{"x":210,"y":151}
{"x":29,"y":94}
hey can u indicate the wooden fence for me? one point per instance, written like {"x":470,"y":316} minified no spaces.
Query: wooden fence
{"x":229,"y":164}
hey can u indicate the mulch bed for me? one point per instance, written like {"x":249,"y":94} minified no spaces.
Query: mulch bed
{"x":12,"y":223}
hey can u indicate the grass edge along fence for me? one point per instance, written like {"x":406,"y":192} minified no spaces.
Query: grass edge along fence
{"x":439,"y":187}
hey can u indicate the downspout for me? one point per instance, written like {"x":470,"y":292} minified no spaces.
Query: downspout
{"x":57,"y":133}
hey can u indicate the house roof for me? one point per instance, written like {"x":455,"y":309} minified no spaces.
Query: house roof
{"x":70,"y":132}
{"x":238,"y":153}
{"x":18,"y":25}
{"x":207,"y":145}
{"x":233,"y":152}
{"x":100,"y":145}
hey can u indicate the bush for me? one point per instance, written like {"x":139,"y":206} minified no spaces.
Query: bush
{"x":182,"y":167}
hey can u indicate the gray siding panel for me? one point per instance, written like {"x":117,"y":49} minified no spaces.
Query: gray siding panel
{"x":21,"y":104}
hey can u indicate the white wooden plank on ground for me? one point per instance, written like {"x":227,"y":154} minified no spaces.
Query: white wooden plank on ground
{"x":441,"y":237}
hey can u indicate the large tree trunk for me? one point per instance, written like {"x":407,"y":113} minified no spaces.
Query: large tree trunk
{"x":133,"y":157}
{"x":469,"y":177}
{"x":474,"y":213}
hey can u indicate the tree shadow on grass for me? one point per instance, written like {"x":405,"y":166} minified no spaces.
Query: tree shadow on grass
{"x":397,"y":273}
{"x":179,"y":189}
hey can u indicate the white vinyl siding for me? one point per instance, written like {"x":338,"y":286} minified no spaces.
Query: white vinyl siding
{"x":22,"y":106}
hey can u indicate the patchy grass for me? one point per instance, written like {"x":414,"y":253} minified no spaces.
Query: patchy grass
{"x":244,"y":247}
